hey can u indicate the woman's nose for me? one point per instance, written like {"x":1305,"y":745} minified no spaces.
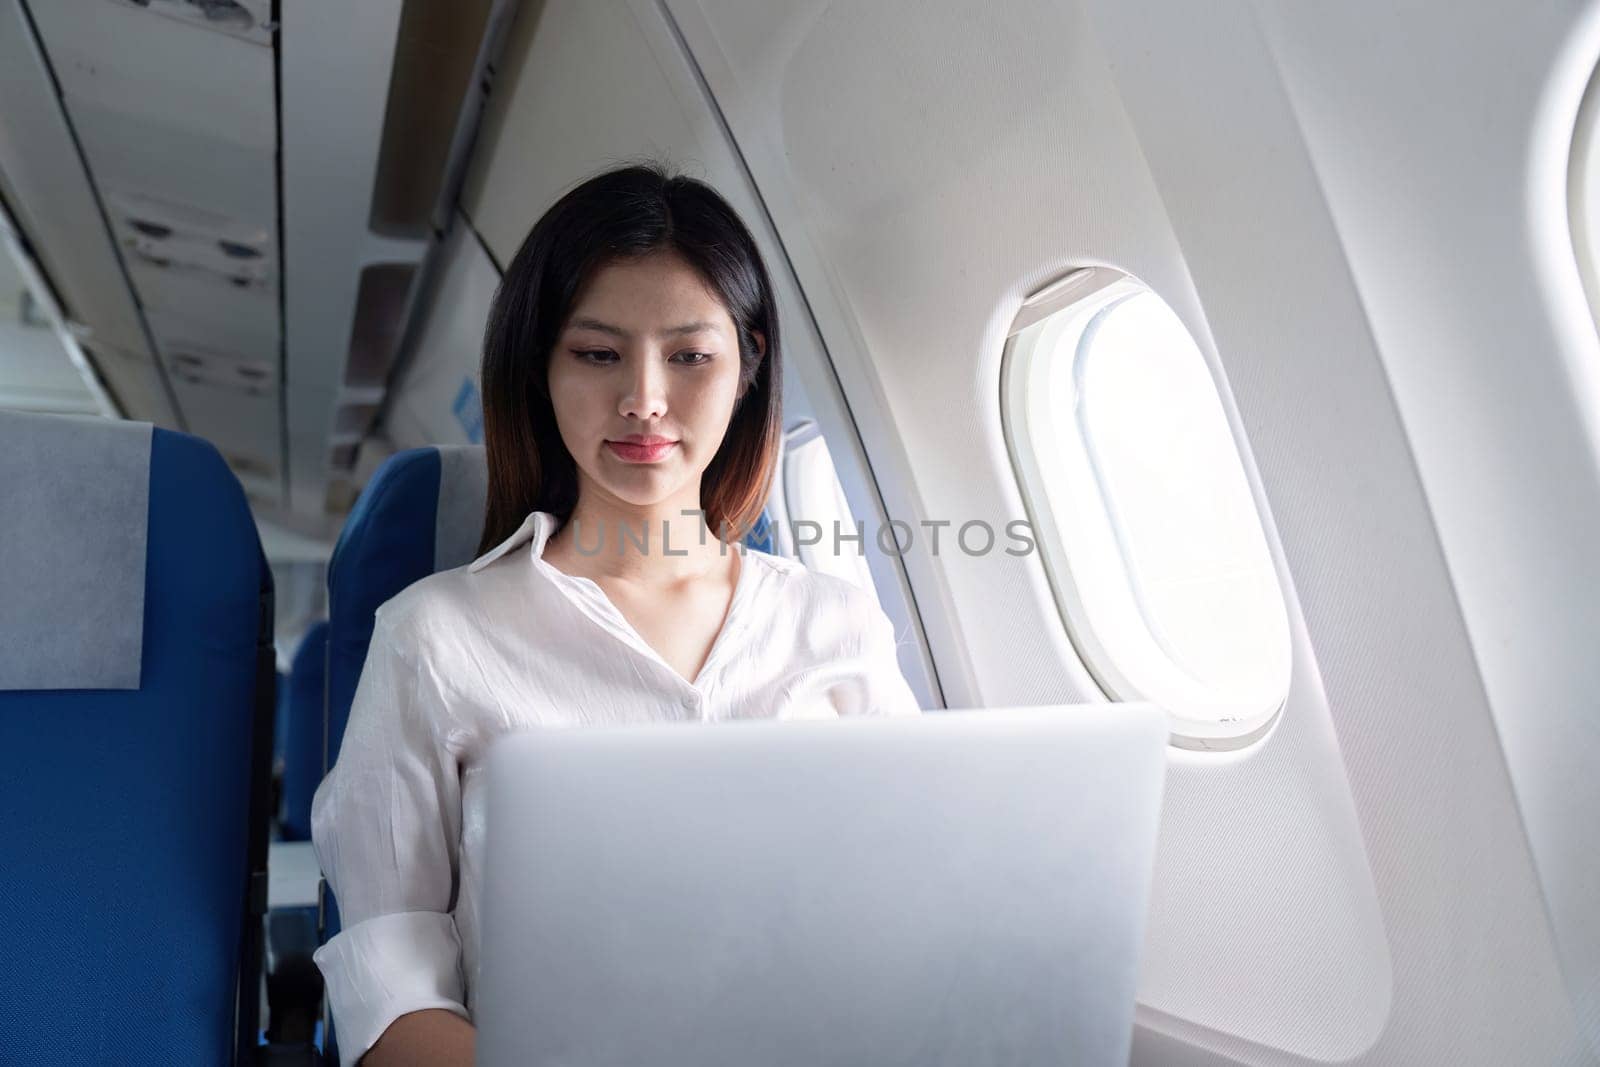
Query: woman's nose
{"x":645,"y":396}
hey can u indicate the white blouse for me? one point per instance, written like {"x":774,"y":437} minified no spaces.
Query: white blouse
{"x":510,"y":642}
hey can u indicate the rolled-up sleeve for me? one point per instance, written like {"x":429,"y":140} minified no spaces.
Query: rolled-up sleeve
{"x":386,"y":826}
{"x":878,"y":687}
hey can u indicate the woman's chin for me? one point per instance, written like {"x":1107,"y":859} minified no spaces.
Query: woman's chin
{"x":645,"y":489}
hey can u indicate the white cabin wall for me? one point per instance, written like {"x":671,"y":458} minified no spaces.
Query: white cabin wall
{"x":1442,"y":145}
{"x":1474,"y":969}
{"x":449,"y":347}
{"x":925,"y":170}
{"x":928,"y":169}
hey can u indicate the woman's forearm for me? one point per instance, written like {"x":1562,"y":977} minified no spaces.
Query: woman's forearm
{"x":424,"y":1039}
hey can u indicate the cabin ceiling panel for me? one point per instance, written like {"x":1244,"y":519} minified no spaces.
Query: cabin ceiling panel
{"x":218,"y":307}
{"x":240,"y":420}
{"x":178,"y":124}
{"x":49,"y":191}
{"x":135,"y":62}
{"x":136,"y":383}
{"x":308,"y":471}
{"x":139,"y":156}
{"x":250,"y":338}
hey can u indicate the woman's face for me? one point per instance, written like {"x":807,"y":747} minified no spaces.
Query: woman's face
{"x":647,"y":350}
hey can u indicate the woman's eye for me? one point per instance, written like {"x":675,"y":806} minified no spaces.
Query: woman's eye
{"x":594,"y":355}
{"x":694,"y":359}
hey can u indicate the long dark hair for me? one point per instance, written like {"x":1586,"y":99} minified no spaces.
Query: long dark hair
{"x":631,"y":211}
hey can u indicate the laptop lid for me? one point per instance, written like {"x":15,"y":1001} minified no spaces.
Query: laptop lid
{"x":961,"y":887}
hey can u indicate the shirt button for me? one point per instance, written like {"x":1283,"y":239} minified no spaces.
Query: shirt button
{"x":691,"y":702}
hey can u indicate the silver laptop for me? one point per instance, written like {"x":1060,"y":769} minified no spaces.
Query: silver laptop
{"x":959,"y":888}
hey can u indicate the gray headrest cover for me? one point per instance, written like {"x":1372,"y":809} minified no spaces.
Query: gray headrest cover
{"x":74,"y":522}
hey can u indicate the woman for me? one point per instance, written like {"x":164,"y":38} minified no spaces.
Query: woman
{"x":631,"y":378}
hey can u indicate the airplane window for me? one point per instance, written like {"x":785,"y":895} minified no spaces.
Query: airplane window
{"x":1146,"y":522}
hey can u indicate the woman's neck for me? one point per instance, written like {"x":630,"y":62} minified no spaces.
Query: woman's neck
{"x":648,"y":546}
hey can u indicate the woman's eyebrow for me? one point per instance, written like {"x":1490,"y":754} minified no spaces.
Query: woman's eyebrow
{"x":618,"y":331}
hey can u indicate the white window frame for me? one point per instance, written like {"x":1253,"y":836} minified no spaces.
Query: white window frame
{"x":1070,"y":305}
{"x":1583,"y":193}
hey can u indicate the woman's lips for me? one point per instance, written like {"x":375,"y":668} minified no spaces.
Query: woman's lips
{"x":640,"y":453}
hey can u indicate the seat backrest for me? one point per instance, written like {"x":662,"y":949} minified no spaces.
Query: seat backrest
{"x":137,"y":723}
{"x":421,"y":512}
{"x":303,"y":712}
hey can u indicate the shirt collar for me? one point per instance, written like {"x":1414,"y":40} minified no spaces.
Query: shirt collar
{"x":537,"y":528}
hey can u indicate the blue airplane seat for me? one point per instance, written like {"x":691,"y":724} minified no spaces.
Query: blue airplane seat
{"x":305,"y":712}
{"x":136,"y":708}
